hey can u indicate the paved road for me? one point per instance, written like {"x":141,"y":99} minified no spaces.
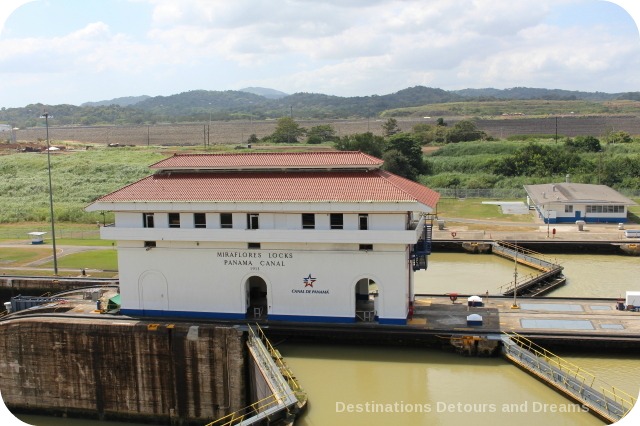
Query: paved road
{"x":494,"y":230}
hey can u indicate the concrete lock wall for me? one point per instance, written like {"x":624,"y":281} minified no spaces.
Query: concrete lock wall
{"x":122,"y":369}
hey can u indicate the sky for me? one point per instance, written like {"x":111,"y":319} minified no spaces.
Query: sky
{"x":75,"y":51}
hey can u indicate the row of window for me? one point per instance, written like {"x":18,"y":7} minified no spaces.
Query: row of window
{"x":362,"y":247}
{"x":568,"y":208}
{"x":336,"y":220}
{"x":605,"y":209}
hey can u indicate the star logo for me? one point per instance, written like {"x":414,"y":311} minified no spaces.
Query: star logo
{"x":308,"y":281}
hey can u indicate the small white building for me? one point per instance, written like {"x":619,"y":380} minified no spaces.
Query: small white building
{"x":570,"y":202}
{"x":322,"y":236}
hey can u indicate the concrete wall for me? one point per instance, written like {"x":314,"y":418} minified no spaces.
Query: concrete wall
{"x":122,"y":369}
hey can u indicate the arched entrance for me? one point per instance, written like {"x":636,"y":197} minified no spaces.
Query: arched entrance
{"x":153,"y":292}
{"x":256,"y":291}
{"x":366,"y":300}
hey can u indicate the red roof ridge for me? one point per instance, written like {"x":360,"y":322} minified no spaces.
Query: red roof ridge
{"x":426,"y":196}
{"x":262,"y":160}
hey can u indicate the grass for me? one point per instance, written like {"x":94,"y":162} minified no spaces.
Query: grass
{"x":21,"y":256}
{"x":78,"y":179}
{"x":531,"y":108}
{"x":49,"y":273}
{"x":92,"y":259}
{"x":472,"y":208}
{"x":77,"y":234}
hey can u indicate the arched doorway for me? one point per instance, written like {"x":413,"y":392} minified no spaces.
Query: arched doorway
{"x":256,"y":291}
{"x":153,"y":292}
{"x":366,"y":300}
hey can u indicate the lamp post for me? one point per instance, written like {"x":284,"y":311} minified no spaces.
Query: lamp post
{"x":53,"y":228}
{"x":515,"y":280}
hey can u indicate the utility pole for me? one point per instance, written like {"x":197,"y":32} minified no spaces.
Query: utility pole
{"x":53,"y":228}
{"x":515,"y":280}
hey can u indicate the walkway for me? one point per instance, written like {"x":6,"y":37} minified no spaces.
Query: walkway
{"x":601,"y":398}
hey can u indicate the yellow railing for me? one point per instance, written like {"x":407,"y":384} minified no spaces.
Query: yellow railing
{"x":586,"y":378}
{"x":528,"y":252}
{"x":236,"y":417}
{"x":521,"y":280}
{"x":277,"y":358}
{"x":271,"y":401}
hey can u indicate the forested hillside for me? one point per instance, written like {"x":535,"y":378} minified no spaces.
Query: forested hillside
{"x":207,"y":105}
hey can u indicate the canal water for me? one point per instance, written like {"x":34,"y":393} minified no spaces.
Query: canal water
{"x":370,"y":385}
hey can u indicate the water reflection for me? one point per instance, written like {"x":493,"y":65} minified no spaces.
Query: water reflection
{"x":357,"y":386}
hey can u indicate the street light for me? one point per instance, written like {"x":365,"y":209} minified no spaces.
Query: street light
{"x":53,"y":228}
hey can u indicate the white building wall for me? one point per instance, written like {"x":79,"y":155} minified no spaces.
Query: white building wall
{"x":202,"y":281}
{"x":213,"y":220}
{"x":187,"y":220}
{"x":385,"y":222}
{"x":128,"y":220}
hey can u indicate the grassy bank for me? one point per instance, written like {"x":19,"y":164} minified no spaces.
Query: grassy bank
{"x":78,"y":178}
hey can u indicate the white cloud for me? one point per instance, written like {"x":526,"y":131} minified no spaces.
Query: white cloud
{"x":350,"y":47}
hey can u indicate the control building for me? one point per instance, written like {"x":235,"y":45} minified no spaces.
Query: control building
{"x":315,"y":236}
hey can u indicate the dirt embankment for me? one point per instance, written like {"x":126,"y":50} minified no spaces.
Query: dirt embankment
{"x":237,"y":132}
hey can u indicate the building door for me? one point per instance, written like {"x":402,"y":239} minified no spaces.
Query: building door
{"x":257,"y":305}
{"x":578,"y":215}
{"x":366,"y":308}
{"x":154,"y":295}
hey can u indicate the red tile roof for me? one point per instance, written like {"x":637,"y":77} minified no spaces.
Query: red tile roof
{"x":270,"y":160}
{"x":355,"y":186}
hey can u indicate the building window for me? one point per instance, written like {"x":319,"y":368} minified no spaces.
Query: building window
{"x":149,"y":244}
{"x":366,"y":247}
{"x":363,"y":222}
{"x":253,"y":245}
{"x":605,"y":209}
{"x":253,"y":221}
{"x":226,"y":220}
{"x":308,"y":221}
{"x":147,"y":220}
{"x":336,"y":220}
{"x":174,"y":220}
{"x":568,"y":208}
{"x":199,"y":220}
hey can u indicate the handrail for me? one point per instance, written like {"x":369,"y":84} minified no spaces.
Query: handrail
{"x":291,"y":381}
{"x":585,"y":378}
{"x":528,"y":257}
{"x":270,"y":401}
{"x":529,"y":252}
{"x":286,"y":390}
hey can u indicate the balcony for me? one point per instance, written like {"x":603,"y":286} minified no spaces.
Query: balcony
{"x":341,"y":236}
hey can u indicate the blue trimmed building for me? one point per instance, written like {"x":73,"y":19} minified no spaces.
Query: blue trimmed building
{"x":570,"y":202}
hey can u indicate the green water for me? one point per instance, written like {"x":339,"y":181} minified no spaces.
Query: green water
{"x":370,"y":385}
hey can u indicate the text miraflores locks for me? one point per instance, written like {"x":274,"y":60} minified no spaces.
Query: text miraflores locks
{"x":253,"y":258}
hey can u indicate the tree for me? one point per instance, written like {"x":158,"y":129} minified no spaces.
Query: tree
{"x":321,"y":133}
{"x":583,"y":143}
{"x":390,"y":127}
{"x":464,"y":131}
{"x":252,"y":139}
{"x":364,"y":142}
{"x":404,"y":145}
{"x":618,"y":137}
{"x":287,"y":131}
{"x":440,"y":122}
{"x":397,"y":163}
{"x":539,"y":160}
